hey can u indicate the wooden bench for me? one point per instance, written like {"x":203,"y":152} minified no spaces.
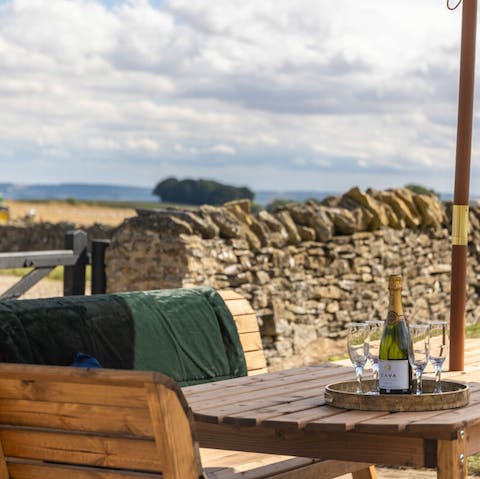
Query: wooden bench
{"x":61,"y":422}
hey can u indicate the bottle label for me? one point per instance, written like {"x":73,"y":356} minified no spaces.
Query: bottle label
{"x":393,"y":374}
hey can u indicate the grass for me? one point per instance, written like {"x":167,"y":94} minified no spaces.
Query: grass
{"x":473,"y":465}
{"x":473,"y":331}
{"x":337,"y":357}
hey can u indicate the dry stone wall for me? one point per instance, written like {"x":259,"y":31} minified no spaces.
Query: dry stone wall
{"x":307,"y":269}
{"x":44,"y":236}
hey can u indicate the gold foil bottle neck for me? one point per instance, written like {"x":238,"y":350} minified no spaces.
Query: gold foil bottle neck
{"x":395,"y":308}
{"x":394,"y":282}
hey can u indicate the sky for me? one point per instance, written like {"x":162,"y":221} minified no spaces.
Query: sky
{"x":271,"y":94}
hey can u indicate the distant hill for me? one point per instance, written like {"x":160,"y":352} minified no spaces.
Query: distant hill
{"x":76,"y":190}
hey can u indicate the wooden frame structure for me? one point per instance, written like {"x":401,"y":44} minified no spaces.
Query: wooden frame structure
{"x":74,"y":258}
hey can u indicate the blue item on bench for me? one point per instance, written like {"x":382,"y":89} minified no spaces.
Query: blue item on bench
{"x":83,"y":360}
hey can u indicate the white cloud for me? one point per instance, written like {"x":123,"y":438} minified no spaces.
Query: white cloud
{"x":224,"y":149}
{"x":319,"y":92}
{"x":143,"y":144}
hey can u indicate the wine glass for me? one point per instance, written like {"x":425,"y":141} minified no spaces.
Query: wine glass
{"x":419,"y":351}
{"x":357,"y":343}
{"x":438,"y":349}
{"x":376,"y":330}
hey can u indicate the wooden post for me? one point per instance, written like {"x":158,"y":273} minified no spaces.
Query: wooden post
{"x":99,"y":278}
{"x":462,"y":184}
{"x":74,"y":276}
{"x":451,"y":458}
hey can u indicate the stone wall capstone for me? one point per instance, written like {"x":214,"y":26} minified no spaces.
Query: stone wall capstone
{"x":307,"y":269}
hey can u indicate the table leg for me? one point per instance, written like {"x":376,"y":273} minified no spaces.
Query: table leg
{"x":368,"y":473}
{"x":451,"y":459}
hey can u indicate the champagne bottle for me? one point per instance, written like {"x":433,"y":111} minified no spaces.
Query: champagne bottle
{"x":395,"y":372}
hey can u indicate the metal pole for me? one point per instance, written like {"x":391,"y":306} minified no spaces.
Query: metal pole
{"x":462,"y":184}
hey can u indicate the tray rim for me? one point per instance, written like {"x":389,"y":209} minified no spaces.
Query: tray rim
{"x":385,"y":402}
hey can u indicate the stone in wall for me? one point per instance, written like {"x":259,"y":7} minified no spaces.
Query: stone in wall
{"x":314,"y":217}
{"x":344,"y":221}
{"x":277,"y":233}
{"x":431,"y":211}
{"x":368,"y":202}
{"x":293,"y":236}
{"x":400,"y":208}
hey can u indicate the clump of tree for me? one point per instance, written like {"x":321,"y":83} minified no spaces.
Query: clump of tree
{"x":199,"y":192}
{"x":278,"y":204}
{"x":422,"y":190}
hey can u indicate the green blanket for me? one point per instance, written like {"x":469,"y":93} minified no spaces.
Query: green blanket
{"x":188,"y":334}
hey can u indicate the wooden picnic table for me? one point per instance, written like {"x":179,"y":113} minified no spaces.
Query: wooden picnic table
{"x":285,"y":413}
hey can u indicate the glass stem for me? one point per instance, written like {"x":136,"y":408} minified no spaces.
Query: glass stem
{"x":359,"y":372}
{"x":418,"y":374}
{"x":438,"y":384}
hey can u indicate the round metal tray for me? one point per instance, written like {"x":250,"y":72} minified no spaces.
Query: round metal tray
{"x":343,"y":395}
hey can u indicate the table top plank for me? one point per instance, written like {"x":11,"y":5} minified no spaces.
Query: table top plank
{"x":299,"y":420}
{"x":300,"y":386}
{"x":345,"y":421}
{"x":282,"y":408}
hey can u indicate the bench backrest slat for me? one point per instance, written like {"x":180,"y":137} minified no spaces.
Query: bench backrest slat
{"x":21,"y":469}
{"x":85,"y":449}
{"x":247,"y":327}
{"x":77,"y":416}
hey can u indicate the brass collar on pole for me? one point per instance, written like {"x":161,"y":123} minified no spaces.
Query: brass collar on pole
{"x":460,"y":225}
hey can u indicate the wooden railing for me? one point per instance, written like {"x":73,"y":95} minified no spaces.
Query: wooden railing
{"x":74,"y":258}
